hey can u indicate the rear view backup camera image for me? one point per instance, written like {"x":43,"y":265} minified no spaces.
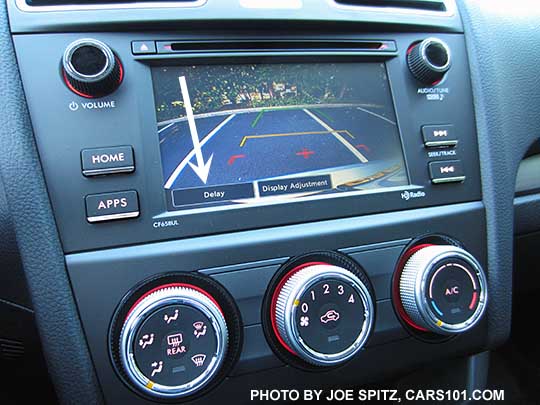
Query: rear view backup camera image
{"x":265,"y":133}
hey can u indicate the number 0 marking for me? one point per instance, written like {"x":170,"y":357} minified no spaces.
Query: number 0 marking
{"x":305,"y":307}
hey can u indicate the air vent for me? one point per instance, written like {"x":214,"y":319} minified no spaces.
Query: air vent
{"x":414,"y":6}
{"x":39,"y":3}
{"x":73,"y":5}
{"x":11,"y":349}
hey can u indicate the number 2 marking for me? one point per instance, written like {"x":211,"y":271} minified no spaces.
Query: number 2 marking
{"x":326,"y":289}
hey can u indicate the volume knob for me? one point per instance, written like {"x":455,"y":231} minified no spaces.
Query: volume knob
{"x":429,"y":60}
{"x":90,"y":68}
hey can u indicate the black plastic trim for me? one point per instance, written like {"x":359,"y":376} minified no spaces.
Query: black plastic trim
{"x":37,"y":237}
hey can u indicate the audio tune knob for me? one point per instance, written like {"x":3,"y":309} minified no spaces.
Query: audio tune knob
{"x":429,"y":60}
{"x":90,"y":68}
{"x":322,"y":313}
{"x":173,"y":341}
{"x":442,"y":289}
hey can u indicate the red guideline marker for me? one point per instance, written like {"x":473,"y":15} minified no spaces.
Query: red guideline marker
{"x":362,"y":146}
{"x":305,"y":153}
{"x":233,"y":158}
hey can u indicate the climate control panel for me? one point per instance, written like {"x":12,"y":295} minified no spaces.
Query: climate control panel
{"x":178,"y":335}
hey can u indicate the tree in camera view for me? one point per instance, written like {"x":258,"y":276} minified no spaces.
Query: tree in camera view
{"x":217,"y":88}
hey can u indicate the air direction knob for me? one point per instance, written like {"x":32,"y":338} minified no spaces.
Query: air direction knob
{"x":173,"y":341}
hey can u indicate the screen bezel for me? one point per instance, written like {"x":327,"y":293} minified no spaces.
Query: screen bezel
{"x":244,"y":58}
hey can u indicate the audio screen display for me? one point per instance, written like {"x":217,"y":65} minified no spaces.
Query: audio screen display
{"x":269,"y":133}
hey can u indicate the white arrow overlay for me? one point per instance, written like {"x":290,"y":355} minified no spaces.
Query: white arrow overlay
{"x":201,"y":169}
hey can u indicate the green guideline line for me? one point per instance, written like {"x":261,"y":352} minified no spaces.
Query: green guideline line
{"x":280,"y":108}
{"x":324,"y":115}
{"x":257,"y":119}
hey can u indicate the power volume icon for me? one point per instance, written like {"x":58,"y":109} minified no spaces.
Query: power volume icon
{"x":441,"y":289}
{"x":90,"y":68}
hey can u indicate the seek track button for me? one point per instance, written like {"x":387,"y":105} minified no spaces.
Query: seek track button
{"x":439,"y":135}
{"x":446,"y":171}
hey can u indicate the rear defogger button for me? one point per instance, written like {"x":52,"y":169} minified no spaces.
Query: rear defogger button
{"x":111,"y":206}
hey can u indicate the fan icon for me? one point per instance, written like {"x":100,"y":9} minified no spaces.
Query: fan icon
{"x":304,"y":321}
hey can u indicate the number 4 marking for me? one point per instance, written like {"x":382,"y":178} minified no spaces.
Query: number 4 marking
{"x":351,"y":299}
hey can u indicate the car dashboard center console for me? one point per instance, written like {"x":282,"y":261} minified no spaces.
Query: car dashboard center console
{"x":259,"y":207}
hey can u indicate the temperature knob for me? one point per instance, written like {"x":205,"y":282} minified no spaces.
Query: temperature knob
{"x":322,"y":313}
{"x":429,"y":60}
{"x":442,"y":289}
{"x":173,"y":341}
{"x":91,"y":69}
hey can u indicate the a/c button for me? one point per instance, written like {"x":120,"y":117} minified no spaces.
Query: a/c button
{"x":111,"y":206}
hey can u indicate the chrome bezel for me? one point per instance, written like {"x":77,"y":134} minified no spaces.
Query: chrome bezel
{"x":75,"y":74}
{"x":433,"y":322}
{"x":154,"y":302}
{"x":429,"y":41}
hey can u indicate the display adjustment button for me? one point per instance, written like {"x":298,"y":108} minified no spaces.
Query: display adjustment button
{"x":446,"y":171}
{"x":111,"y":206}
{"x":118,"y":159}
{"x":439,"y":135}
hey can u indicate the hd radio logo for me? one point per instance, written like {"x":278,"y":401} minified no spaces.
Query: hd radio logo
{"x":407,"y":195}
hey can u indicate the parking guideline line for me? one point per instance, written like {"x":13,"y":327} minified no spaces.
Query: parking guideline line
{"x":351,"y":148}
{"x":376,"y":115}
{"x":164,"y":128}
{"x":257,"y":119}
{"x":324,"y":115}
{"x":245,"y":138}
{"x":172,"y":178}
